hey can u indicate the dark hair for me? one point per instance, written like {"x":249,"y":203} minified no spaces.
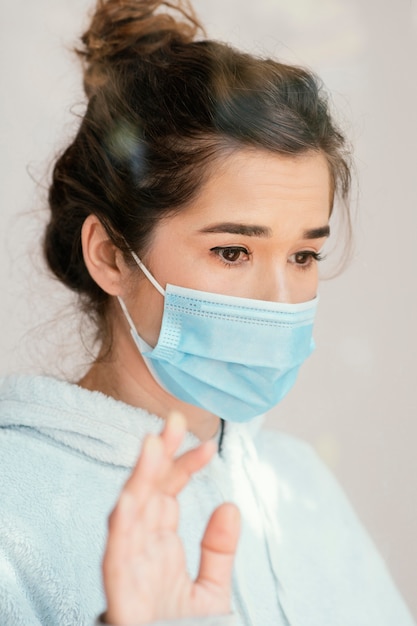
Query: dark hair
{"x":163,"y":108}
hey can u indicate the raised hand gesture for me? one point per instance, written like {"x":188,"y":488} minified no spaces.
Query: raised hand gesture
{"x":144,"y":566}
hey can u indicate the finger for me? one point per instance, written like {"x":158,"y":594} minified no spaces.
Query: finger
{"x":117,"y":560}
{"x":218,"y":547}
{"x":120,"y":523}
{"x":173,"y":432}
{"x":186,"y":465}
{"x":146,"y":471}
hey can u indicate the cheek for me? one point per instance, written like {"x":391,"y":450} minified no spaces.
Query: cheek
{"x":306,"y":284}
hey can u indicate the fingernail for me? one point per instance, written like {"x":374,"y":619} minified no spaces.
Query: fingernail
{"x":177,"y":422}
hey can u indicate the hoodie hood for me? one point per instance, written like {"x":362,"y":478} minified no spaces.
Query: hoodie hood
{"x":79,"y":418}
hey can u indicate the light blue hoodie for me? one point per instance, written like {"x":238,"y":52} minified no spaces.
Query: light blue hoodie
{"x":303,"y":558}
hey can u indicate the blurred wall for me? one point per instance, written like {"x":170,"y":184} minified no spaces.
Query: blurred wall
{"x":355,"y":400}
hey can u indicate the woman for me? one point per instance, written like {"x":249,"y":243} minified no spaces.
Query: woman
{"x":189,"y":214}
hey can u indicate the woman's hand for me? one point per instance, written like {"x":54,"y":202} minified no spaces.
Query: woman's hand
{"x":144,"y":566}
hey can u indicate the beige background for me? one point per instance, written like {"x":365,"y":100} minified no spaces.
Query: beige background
{"x":355,"y":400}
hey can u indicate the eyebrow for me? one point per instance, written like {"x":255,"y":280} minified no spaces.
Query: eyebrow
{"x":317,"y":233}
{"x":238,"y":229}
{"x":254,"y":230}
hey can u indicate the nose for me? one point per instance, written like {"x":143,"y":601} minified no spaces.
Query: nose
{"x":275,"y":286}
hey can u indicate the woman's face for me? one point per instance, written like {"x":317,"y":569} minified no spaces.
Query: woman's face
{"x":255,"y":231}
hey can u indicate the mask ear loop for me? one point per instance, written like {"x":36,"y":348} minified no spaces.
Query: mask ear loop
{"x":127,"y":316}
{"x":151,"y":279}
{"x":140,"y":343}
{"x":148,"y":274}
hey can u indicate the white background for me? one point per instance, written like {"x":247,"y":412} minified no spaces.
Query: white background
{"x":356,"y":397}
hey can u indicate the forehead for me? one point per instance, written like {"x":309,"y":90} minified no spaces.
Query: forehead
{"x":262,"y":187}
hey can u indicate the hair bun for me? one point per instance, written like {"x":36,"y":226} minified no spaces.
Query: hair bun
{"x":124,"y":29}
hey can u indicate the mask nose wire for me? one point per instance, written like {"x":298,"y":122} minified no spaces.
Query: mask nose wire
{"x":148,"y":274}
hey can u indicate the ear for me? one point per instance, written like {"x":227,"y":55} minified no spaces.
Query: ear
{"x":103,"y":259}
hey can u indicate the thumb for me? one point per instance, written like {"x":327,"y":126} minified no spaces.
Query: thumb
{"x":218,"y":547}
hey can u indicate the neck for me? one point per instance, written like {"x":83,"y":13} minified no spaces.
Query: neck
{"x":123,"y":375}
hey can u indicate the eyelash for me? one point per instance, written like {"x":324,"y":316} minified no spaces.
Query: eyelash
{"x":218,"y":250}
{"x":309,"y":255}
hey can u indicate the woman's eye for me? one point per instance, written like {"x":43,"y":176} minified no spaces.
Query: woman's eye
{"x":305,"y":259}
{"x":231,"y":255}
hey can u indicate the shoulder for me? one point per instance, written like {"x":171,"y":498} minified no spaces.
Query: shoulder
{"x":79,"y":421}
{"x":311,"y":501}
{"x":295,"y":462}
{"x":56,"y":495}
{"x":51,"y":448}
{"x":323,"y":547}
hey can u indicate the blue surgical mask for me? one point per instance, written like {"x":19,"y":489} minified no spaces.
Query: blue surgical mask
{"x":235,"y":357}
